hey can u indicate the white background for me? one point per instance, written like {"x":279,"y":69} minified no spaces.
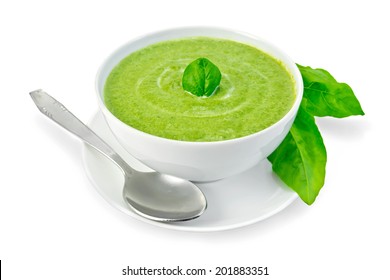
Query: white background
{"x":54,"y":225}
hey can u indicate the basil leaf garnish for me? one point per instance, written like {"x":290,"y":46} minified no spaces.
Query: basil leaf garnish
{"x":300,"y":160}
{"x":201,"y":77}
{"x":324,"y":96}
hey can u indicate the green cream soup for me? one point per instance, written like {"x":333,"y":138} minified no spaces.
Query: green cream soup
{"x":145,"y":90}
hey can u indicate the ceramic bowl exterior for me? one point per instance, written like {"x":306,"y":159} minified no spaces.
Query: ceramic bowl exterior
{"x":198,"y":161}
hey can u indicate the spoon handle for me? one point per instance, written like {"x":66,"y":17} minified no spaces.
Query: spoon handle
{"x":54,"y":110}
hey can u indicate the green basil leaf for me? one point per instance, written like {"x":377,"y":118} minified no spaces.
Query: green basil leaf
{"x":324,"y":96}
{"x":201,"y":77}
{"x":300,"y":160}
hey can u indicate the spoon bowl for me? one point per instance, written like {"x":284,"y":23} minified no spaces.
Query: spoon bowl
{"x":173,"y":199}
{"x":153,"y":195}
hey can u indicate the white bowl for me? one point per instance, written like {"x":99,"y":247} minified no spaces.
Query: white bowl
{"x":198,"y":161}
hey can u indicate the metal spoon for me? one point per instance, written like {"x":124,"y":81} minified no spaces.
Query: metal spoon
{"x":152,"y":195}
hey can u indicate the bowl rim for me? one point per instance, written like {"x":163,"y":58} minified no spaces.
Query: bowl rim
{"x":284,"y":58}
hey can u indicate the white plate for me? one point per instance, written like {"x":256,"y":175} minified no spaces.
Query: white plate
{"x":232,"y":203}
